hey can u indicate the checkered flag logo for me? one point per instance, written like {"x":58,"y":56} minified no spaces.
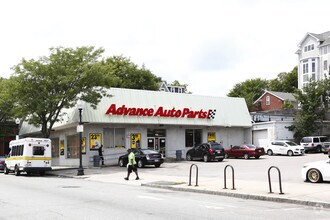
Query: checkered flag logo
{"x":212,"y":114}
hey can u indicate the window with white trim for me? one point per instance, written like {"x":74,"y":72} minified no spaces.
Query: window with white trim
{"x":309,"y":47}
{"x":268,"y":100}
{"x":325,"y":65}
{"x":305,"y":66}
{"x":313,"y":65}
{"x":325,"y":50}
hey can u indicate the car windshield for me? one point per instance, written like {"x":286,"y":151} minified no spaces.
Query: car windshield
{"x":291,"y":143}
{"x":216,"y":147}
{"x":251,"y":146}
{"x":147,"y":151}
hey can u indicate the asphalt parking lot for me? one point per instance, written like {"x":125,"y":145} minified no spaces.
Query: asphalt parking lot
{"x":251,"y":178}
{"x":256,"y":169}
{"x":250,"y":169}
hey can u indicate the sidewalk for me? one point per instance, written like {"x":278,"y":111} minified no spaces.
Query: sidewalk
{"x":317,"y":195}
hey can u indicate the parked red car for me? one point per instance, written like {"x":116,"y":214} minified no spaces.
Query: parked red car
{"x":245,"y":150}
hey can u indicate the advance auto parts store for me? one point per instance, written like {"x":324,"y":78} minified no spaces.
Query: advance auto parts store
{"x":166,"y":122}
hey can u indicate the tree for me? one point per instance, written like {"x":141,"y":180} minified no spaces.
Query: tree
{"x":314,"y":104}
{"x":45,"y":86}
{"x":123,"y":73}
{"x":6,"y":100}
{"x":285,"y":82}
{"x":250,"y":89}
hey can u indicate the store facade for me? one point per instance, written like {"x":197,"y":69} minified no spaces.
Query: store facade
{"x":166,"y":122}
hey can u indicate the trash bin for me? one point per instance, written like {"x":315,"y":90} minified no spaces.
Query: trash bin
{"x":178,"y":155}
{"x":96,"y":160}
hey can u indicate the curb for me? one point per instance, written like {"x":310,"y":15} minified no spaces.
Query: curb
{"x":242,"y":196}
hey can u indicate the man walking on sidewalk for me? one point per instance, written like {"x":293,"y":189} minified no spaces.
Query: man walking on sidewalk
{"x":131,"y":165}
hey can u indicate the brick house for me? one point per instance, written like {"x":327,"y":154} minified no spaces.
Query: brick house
{"x":270,"y":101}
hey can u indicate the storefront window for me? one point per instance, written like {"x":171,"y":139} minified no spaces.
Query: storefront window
{"x":156,"y":133}
{"x":114,"y":137}
{"x":73,"y":146}
{"x":193,"y":137}
{"x":119,"y":140}
{"x":55,"y":147}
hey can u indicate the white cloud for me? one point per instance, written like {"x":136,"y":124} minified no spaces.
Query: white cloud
{"x":208,"y":44}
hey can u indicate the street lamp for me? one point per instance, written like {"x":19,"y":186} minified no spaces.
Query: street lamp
{"x":80,"y":129}
{"x":17,"y":121}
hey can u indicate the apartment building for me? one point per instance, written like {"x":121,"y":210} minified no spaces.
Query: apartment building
{"x":313,"y":58}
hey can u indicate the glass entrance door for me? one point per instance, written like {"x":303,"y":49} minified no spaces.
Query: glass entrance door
{"x":162,"y":145}
{"x":157,"y":144}
{"x":151,"y":143}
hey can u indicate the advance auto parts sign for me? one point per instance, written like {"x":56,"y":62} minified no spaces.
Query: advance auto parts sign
{"x":161,"y":112}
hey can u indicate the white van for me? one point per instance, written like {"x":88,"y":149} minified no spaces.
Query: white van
{"x":30,"y":155}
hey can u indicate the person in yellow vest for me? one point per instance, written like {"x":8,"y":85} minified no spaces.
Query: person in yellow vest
{"x":131,"y":165}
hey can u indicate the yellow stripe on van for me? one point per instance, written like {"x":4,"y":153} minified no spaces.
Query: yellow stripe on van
{"x":29,"y":158}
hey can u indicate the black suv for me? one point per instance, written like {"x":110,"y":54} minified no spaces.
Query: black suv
{"x":206,"y":152}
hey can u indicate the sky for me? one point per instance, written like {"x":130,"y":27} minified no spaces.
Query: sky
{"x":210,"y":45}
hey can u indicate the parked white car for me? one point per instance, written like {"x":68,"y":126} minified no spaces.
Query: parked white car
{"x":284,"y":147}
{"x":316,"y":172}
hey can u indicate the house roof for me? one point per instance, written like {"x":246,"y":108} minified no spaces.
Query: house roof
{"x":323,"y":38}
{"x":281,"y":95}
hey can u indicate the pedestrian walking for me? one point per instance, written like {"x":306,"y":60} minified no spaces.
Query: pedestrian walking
{"x":101,"y":153}
{"x":131,"y":165}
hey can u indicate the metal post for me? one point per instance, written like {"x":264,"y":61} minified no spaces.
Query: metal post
{"x":193,"y":165}
{"x":80,"y":169}
{"x":17,"y":121}
{"x":233,"y":176}
{"x":279,"y":179}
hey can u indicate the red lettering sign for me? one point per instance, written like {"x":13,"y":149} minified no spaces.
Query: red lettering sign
{"x":160,"y":112}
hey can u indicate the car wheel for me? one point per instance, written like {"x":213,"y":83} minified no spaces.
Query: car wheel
{"x":257,"y":157}
{"x":188,"y":157}
{"x":206,"y":158}
{"x":246,"y":156}
{"x":121,"y":163}
{"x":157,"y":165}
{"x":5,"y":170}
{"x":17,"y":171}
{"x":140,"y":164}
{"x":270,"y":152}
{"x":290,"y":153}
{"x":221,"y":159}
{"x":314,"y":176}
{"x":226,"y":156}
{"x":319,"y":149}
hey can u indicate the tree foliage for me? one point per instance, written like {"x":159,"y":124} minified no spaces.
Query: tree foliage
{"x":123,"y":73}
{"x":45,"y":86}
{"x":314,"y":104}
{"x":285,"y":82}
{"x":6,"y":100}
{"x":250,"y":89}
{"x":39,"y":89}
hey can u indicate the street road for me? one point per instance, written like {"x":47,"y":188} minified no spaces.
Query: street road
{"x":50,"y":197}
